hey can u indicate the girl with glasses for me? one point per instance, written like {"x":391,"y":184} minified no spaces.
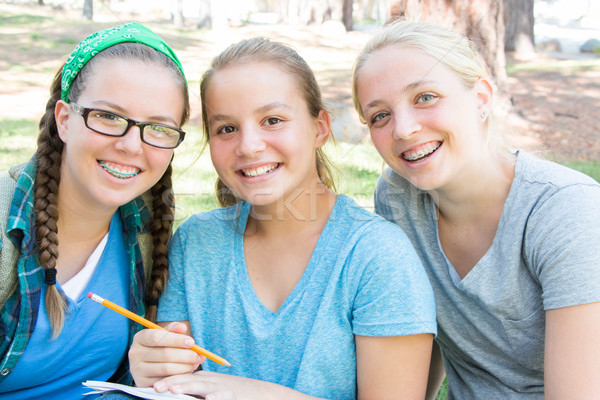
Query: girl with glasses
{"x":306,"y":294}
{"x":510,"y":241}
{"x":91,"y":211}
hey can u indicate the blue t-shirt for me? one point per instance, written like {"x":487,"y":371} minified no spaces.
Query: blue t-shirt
{"x":364,"y":278}
{"x":92,"y":343}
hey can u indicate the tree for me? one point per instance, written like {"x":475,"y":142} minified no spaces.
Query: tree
{"x":518,"y":22}
{"x":178,"y":18}
{"x":347,"y":14}
{"x":88,"y":9}
{"x":480,"y":20}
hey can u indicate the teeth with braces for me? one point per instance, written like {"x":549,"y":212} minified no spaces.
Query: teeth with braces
{"x":118,"y":174}
{"x":421,"y":153}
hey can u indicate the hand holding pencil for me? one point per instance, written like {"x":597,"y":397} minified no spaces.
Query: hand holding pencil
{"x":151,"y":325}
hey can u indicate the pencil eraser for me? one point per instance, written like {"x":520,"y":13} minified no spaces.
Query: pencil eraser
{"x":90,"y":294}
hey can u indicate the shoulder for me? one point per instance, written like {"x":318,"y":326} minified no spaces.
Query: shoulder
{"x":366,"y":231}
{"x":220,"y":221}
{"x":537,"y":171}
{"x":550,"y":187}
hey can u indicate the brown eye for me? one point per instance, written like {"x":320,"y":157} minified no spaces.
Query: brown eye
{"x":226,"y":129}
{"x":272,"y":121}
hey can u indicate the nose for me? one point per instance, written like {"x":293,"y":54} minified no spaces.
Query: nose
{"x":405,"y":123}
{"x":251,"y":142}
{"x":131,"y":142}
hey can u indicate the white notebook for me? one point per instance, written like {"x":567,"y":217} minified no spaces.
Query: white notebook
{"x":144,"y":393}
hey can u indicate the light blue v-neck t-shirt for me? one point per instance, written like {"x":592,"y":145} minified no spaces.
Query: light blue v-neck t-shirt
{"x":92,"y":343}
{"x":364,"y":278}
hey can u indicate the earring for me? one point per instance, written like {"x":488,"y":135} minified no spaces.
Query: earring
{"x":484,"y":115}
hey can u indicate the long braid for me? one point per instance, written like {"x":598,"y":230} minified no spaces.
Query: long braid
{"x":162,"y":224}
{"x":47,"y":180}
{"x":49,"y":158}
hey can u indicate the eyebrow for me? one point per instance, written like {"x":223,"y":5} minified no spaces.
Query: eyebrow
{"x":120,"y":110}
{"x":407,"y":88}
{"x":261,"y":110}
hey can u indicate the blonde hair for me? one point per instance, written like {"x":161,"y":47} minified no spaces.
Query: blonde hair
{"x":262,"y":49}
{"x":450,"y":48}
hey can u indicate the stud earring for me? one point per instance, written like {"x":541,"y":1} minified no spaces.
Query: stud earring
{"x":484,"y":115}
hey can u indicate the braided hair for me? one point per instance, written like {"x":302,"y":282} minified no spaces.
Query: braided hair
{"x":49,"y":157}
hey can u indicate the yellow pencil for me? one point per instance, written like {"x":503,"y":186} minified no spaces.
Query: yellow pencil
{"x":152,"y":325}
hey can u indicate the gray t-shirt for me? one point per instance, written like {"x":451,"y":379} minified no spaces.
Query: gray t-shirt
{"x":545,"y":255}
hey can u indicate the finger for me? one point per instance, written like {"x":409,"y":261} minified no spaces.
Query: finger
{"x":145,"y":374}
{"x":186,"y":383}
{"x":222,"y":395}
{"x":165,"y":354}
{"x":161,"y":338}
{"x":177,"y":327}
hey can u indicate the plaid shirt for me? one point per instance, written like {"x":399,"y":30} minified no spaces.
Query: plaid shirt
{"x":19,"y":316}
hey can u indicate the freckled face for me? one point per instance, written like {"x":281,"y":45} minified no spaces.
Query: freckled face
{"x":423,"y":121}
{"x":103,"y":172}
{"x":262,"y":137}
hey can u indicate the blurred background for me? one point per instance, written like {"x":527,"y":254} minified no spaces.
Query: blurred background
{"x":544,"y":56}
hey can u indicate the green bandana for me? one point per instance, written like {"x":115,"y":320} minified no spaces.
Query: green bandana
{"x":96,"y":42}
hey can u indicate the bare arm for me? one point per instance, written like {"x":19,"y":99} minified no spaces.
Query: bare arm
{"x":572,"y":352}
{"x":436,"y":373}
{"x":393,"y":367}
{"x":388,"y":368}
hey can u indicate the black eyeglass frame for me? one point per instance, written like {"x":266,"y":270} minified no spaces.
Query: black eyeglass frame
{"x":85,"y":112}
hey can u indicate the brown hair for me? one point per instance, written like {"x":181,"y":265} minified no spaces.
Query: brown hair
{"x":262,"y":49}
{"x":47,"y":181}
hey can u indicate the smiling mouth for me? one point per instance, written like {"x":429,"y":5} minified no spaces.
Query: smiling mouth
{"x":262,"y":170}
{"x":422,"y":152}
{"x":119,"y":171}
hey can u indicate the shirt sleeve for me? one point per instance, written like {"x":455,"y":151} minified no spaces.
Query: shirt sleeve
{"x":393,"y":294}
{"x":562,"y":246}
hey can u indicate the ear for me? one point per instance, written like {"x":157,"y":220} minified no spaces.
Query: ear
{"x":323,"y":124}
{"x":485,"y":95}
{"x":61,"y":116}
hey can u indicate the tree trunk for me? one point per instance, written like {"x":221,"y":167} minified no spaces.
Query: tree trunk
{"x":481,"y":21}
{"x":518,"y":22}
{"x":178,"y":18}
{"x":88,"y":9}
{"x":40,"y":2}
{"x":347,"y":14}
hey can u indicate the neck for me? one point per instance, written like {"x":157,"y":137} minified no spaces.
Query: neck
{"x":300,"y":211}
{"x":478,"y":193}
{"x":80,"y":224}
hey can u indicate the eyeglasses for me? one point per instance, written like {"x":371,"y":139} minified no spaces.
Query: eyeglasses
{"x":112,"y":124}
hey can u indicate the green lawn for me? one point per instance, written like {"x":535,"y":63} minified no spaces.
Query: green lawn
{"x":358,"y":166}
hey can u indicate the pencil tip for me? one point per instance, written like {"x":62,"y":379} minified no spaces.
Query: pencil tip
{"x":225,"y":363}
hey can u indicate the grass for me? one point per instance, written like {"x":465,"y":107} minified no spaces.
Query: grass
{"x":357,"y":167}
{"x":556,"y":66}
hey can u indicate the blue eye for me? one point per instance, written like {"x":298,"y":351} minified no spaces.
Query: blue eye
{"x":378,"y":117}
{"x":425,"y":97}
